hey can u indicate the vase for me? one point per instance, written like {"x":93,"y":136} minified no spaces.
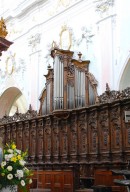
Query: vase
{"x":10,"y":189}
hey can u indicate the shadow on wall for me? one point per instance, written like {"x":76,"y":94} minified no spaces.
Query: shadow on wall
{"x":125,"y":78}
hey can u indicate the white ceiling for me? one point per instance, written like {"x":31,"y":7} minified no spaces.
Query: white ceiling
{"x":8,"y":5}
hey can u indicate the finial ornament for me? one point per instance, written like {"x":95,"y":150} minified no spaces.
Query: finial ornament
{"x":3,"y":30}
{"x":80,"y":55}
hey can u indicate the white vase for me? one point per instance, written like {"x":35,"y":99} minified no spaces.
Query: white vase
{"x":8,"y":189}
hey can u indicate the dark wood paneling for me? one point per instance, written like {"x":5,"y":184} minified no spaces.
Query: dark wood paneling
{"x":57,"y":181}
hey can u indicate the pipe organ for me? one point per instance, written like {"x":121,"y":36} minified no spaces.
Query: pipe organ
{"x":76,"y":131}
{"x":69,"y":85}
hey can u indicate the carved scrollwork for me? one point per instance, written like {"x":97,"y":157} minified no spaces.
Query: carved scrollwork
{"x":110,"y":96}
{"x":19,"y":117}
{"x":125,"y":93}
{"x":70,"y":69}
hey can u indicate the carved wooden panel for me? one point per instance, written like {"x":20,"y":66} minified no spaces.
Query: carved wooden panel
{"x":13,"y":132}
{"x":104,"y":132}
{"x":20,"y":135}
{"x":125,"y":132}
{"x":26,"y":137}
{"x":57,"y":181}
{"x":55,"y":140}
{"x":47,"y":139}
{"x":2,"y":133}
{"x":93,"y":132}
{"x":64,"y":141}
{"x":8,"y":133}
{"x":82,"y":134}
{"x":115,"y":128}
{"x":40,"y":141}
{"x":73,"y":138}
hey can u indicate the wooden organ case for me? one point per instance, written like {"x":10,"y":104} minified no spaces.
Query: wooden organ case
{"x":69,"y":85}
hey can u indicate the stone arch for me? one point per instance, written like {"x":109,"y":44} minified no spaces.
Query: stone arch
{"x":12,"y":97}
{"x":125,"y":77}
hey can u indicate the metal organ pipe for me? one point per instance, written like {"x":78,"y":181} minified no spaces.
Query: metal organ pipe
{"x":79,"y":88}
{"x":58,"y":83}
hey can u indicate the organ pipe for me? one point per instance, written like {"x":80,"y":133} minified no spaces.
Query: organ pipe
{"x":58,"y":83}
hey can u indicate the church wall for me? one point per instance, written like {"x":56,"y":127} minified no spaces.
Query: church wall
{"x":34,"y":29}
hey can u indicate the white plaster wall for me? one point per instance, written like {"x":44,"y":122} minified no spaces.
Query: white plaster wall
{"x":108,"y":51}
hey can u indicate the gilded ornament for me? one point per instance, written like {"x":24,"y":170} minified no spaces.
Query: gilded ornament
{"x":65,"y":38}
{"x":3,"y":30}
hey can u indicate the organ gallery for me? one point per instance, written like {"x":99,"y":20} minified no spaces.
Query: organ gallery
{"x":76,"y":132}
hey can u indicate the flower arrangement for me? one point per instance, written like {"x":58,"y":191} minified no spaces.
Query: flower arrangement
{"x":13,"y":170}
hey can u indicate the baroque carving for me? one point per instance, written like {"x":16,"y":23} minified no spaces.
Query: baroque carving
{"x":19,"y":116}
{"x":34,"y":40}
{"x":110,"y":96}
{"x":103,"y":6}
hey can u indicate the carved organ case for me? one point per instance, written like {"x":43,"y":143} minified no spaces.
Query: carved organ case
{"x":69,"y":85}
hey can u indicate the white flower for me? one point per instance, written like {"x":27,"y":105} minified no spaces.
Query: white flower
{"x":22,"y":182}
{"x":10,"y":176}
{"x":19,"y":174}
{"x":22,"y":162}
{"x":30,"y":181}
{"x":18,"y":151}
{"x":10,"y":151}
{"x":3,"y":163}
{"x":8,"y":157}
{"x":9,"y":168}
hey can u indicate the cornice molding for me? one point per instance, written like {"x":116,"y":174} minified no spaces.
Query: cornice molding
{"x":23,"y":8}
